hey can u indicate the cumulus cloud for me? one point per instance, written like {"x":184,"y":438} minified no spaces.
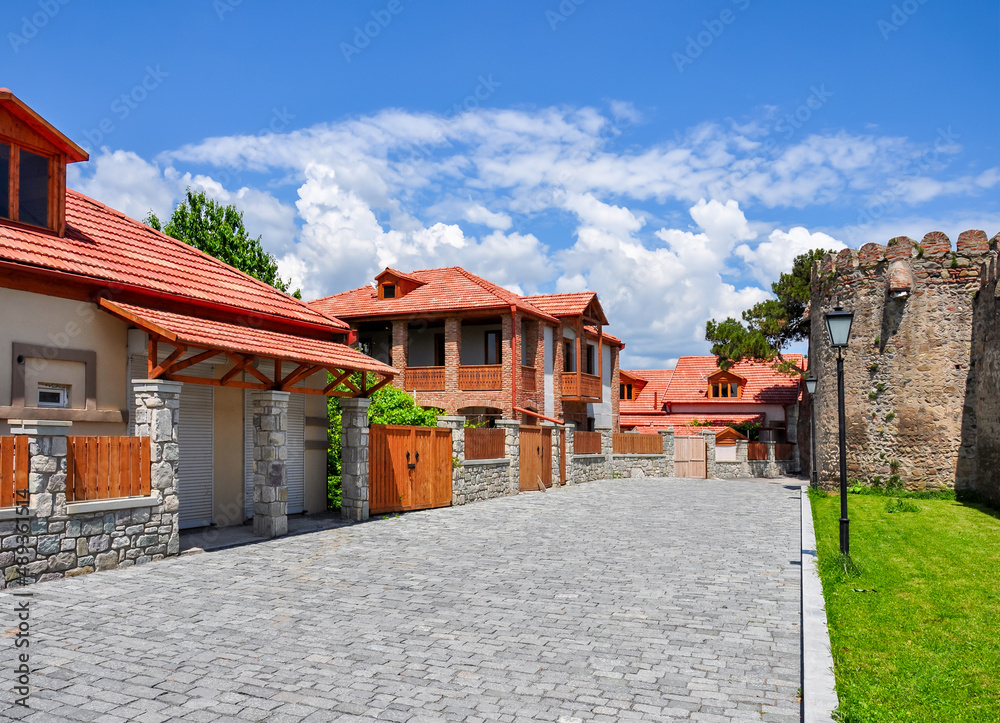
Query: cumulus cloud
{"x":773,"y":257}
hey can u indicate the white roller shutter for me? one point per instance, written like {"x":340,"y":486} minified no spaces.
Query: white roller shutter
{"x":295,"y":467}
{"x":196,"y":439}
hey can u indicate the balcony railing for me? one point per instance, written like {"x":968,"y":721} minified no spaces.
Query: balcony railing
{"x":425,"y":379}
{"x":485,"y":377}
{"x":590,"y":386}
{"x":529,"y":380}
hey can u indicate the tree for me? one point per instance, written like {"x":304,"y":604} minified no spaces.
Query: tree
{"x":768,"y":327}
{"x":219,"y":231}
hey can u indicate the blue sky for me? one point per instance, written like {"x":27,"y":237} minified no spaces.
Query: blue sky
{"x":674,"y":157}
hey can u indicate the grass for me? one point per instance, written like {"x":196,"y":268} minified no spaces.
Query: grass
{"x":915,"y":614}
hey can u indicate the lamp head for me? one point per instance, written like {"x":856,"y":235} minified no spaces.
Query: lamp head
{"x":838,"y":326}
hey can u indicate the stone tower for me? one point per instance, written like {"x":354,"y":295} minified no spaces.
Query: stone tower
{"x":908,"y":364}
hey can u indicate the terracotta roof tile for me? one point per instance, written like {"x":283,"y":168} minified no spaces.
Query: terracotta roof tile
{"x":448,"y":289}
{"x":563,"y":304}
{"x":764,"y":385}
{"x":105,"y":245}
{"x":682,"y":423}
{"x":247,"y":340}
{"x":656,"y":381}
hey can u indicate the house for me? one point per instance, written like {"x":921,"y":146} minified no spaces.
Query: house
{"x":696,"y":395}
{"x":468,"y":346}
{"x":99,"y":311}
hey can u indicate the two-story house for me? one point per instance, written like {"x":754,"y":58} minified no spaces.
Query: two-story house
{"x":697,"y":394}
{"x":468,"y":346}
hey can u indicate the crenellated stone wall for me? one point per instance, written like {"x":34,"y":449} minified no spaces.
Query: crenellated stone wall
{"x":908,"y":362}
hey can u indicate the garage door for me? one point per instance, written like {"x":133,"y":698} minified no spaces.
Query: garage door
{"x":195,"y":438}
{"x":294,"y":461}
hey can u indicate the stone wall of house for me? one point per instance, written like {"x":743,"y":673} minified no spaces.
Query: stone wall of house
{"x":979,"y":454}
{"x":908,"y":361}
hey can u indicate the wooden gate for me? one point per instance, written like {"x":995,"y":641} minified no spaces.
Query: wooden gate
{"x":690,"y":457}
{"x":14,"y":460}
{"x":409,"y":468}
{"x":535,"y":457}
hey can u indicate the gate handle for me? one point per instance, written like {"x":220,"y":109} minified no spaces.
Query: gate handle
{"x":409,"y":464}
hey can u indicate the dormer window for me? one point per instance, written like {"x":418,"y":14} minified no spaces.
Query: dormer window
{"x":725,"y":385}
{"x":25,"y":196}
{"x":625,"y":392}
{"x":394,"y":284}
{"x":388,"y":291}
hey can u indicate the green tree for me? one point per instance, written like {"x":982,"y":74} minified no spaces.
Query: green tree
{"x":768,"y":327}
{"x":219,"y":231}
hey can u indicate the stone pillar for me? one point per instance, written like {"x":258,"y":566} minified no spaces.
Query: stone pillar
{"x":792,"y":435}
{"x":668,"y":436}
{"x":400,"y":350}
{"x":457,"y":427}
{"x":742,"y":456}
{"x":607,"y":448}
{"x":270,"y":477}
{"x":772,"y":464}
{"x":709,"y":452}
{"x":354,"y":459}
{"x":157,"y":414}
{"x":569,"y":429}
{"x":512,"y":444}
{"x":554,"y":451}
{"x":508,"y":364}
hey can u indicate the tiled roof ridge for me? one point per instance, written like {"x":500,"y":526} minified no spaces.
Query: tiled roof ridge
{"x":188,"y":248}
{"x":501,"y":293}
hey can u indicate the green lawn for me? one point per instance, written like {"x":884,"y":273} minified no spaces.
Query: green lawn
{"x":922,"y":643}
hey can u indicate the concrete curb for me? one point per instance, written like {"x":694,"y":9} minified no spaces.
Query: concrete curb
{"x":819,"y":693}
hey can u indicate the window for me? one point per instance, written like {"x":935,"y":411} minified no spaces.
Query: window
{"x":626,"y":391}
{"x":388,"y":291}
{"x":591,"y":365}
{"x":4,"y":175}
{"x":568,"y":365}
{"x":51,"y":395}
{"x":33,"y":196}
{"x":493,"y":353}
{"x":439,"y":350}
{"x":725,"y":390}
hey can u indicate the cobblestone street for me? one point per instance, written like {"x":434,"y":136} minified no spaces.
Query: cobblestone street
{"x":619,"y":600}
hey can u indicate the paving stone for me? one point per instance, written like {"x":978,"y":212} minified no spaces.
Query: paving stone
{"x":618,"y":600}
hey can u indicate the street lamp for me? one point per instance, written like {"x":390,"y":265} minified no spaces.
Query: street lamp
{"x":838,"y":326}
{"x":811,"y":388}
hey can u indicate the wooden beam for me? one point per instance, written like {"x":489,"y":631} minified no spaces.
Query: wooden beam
{"x":161,"y":369}
{"x":258,"y":373}
{"x":151,"y":356}
{"x":196,"y":359}
{"x":336,"y":380}
{"x":385,"y":380}
{"x":240,"y":365}
{"x":277,"y":373}
{"x":303,"y":371}
{"x":142,"y":323}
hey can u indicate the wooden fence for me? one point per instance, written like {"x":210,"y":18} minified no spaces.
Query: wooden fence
{"x":758,"y":451}
{"x":587,"y":443}
{"x":101,"y":468}
{"x":13,"y":471}
{"x":622,"y":443}
{"x":784,"y":451}
{"x":484,"y":443}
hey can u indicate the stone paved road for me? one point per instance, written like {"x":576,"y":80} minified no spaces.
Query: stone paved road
{"x":619,"y":600}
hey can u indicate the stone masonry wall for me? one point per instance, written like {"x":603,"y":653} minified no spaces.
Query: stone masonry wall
{"x":907,"y":363}
{"x":979,"y":455}
{"x":639,"y":465}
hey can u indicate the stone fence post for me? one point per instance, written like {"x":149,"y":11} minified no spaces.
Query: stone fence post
{"x":772,"y":470}
{"x":457,"y":427}
{"x":709,"y":452}
{"x":270,"y":475}
{"x":667,"y":436}
{"x":607,"y":449}
{"x":512,"y":443}
{"x":569,"y":429}
{"x":743,"y":457}
{"x":157,"y":416}
{"x":354,"y":458}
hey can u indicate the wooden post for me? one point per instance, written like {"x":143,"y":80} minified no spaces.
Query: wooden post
{"x":579,"y":359}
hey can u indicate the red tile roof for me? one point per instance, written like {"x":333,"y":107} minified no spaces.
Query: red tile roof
{"x":247,"y":340}
{"x":682,"y":423}
{"x":609,"y":339}
{"x":107,"y":246}
{"x":764,"y":385}
{"x":573,"y":304}
{"x":642,"y":401}
{"x":444,"y":290}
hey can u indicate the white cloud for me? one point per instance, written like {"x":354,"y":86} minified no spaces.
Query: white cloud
{"x":773,"y":257}
{"x":478,"y":213}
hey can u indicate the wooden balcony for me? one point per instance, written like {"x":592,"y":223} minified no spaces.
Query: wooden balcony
{"x":481,"y":378}
{"x":424,"y":379}
{"x":589,"y":389}
{"x":529,"y":380}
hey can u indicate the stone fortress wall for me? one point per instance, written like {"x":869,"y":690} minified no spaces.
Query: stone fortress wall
{"x":908,"y":363}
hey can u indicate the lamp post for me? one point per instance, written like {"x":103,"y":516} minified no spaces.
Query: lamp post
{"x":811,"y":388}
{"x":838,"y":326}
